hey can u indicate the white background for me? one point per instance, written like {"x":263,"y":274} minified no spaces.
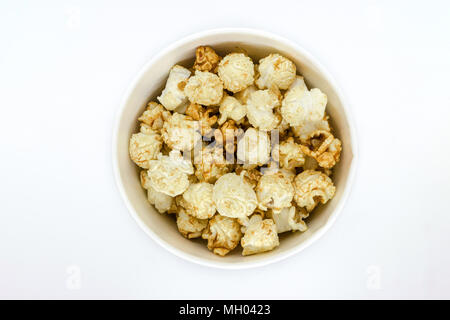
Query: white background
{"x":64,"y":66}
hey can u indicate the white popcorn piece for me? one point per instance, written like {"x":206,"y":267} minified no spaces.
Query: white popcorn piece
{"x":256,"y":217}
{"x":304,"y":131}
{"x":244,"y":95}
{"x":236,"y":70}
{"x":290,"y":154}
{"x":154,"y":116}
{"x":223,"y":234}
{"x":290,"y":219}
{"x":260,"y":107}
{"x":173,"y":96}
{"x":189,"y":226}
{"x":204,"y":88}
{"x":169,"y":174}
{"x":198,"y":200}
{"x":180,"y":132}
{"x":211,"y":165}
{"x":144,"y":147}
{"x":312,"y":187}
{"x":254,"y":147}
{"x":301,"y":105}
{"x":231,"y":108}
{"x":260,"y":237}
{"x":233,"y":197}
{"x":274,"y":191}
{"x":275,"y":70}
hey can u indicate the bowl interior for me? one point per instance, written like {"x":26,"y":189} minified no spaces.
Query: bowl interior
{"x":150,"y":83}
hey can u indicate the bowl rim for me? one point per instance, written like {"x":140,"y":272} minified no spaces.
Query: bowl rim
{"x":251,"y":264}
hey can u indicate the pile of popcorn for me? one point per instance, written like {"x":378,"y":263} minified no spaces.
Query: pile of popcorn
{"x":239,"y":152}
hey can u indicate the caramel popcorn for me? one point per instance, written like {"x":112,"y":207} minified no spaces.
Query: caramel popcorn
{"x":301,"y":105}
{"x":290,"y":219}
{"x":204,"y":88}
{"x":211,"y":165}
{"x":154,"y":116}
{"x":206,"y":59}
{"x":236,"y":71}
{"x":290,"y":154}
{"x":173,"y":95}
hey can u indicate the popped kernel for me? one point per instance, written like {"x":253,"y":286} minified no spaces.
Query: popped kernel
{"x":237,"y":72}
{"x":204,"y":88}
{"x":173,"y":96}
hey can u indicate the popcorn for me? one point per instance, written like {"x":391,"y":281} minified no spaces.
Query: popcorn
{"x":254,"y":147}
{"x":244,"y":95}
{"x":198,"y":201}
{"x":325,"y":150}
{"x":211,"y":165}
{"x":290,"y":219}
{"x":251,"y":176}
{"x":275,"y":70}
{"x":225,"y":136}
{"x":305,"y":130}
{"x":301,"y":105}
{"x":249,"y":202}
{"x":223,"y":234}
{"x":204,"y":88}
{"x":274,"y":191}
{"x":206,"y":59}
{"x":290,"y":154}
{"x":161,"y":201}
{"x":169,"y":174}
{"x":257,"y":216}
{"x":312,"y":187}
{"x":173,"y":95}
{"x":260,"y":107}
{"x":197,"y":112}
{"x":154,"y":116}
{"x":236,"y":70}
{"x":180,"y":132}
{"x":260,"y":237}
{"x":233,"y":197}
{"x":231,"y":108}
{"x":144,"y":147}
{"x":189,"y":226}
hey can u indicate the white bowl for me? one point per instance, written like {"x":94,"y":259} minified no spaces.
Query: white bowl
{"x":149,"y":83}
